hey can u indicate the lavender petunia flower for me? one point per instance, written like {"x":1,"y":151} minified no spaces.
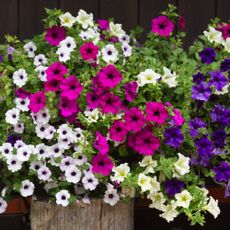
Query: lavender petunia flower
{"x":218,"y":80}
{"x":201,"y":92}
{"x":207,"y":55}
{"x":222,"y":172}
{"x":173,"y":137}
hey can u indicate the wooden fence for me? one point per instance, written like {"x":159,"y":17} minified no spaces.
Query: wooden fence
{"x":23,"y":17}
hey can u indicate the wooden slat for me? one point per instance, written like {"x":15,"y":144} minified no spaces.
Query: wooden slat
{"x":90,"y":6}
{"x":31,"y":14}
{"x":197,"y":15}
{"x":150,"y":9}
{"x":8,"y":18}
{"x":223,"y":9}
{"x":123,"y":11}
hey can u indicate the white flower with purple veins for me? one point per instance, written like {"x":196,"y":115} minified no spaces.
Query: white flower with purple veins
{"x":41,"y":117}
{"x":124,"y":39}
{"x":45,"y":131}
{"x":66,"y":163}
{"x":56,"y":150}
{"x":62,"y":197}
{"x":12,"y":116}
{"x":27,"y":188}
{"x":109,"y":53}
{"x":22,"y":104}
{"x":78,"y":132}
{"x":84,"y":19}
{"x":20,"y":77}
{"x":30,"y":48}
{"x":44,"y":173}
{"x":67,"y":19}
{"x":24,"y":153}
{"x":89,"y":181}
{"x":13,"y":163}
{"x":3,"y":205}
{"x":68,"y":44}
{"x":111,"y":196}
{"x":19,"y":128}
{"x":36,"y":165}
{"x":80,"y":159}
{"x":18,"y":144}
{"x":64,"y":131}
{"x":127,"y":50}
{"x":42,"y":73}
{"x":40,"y":60}
{"x":6,"y":150}
{"x":73,"y":175}
{"x":41,"y":151}
{"x":65,"y":142}
{"x":63,"y":54}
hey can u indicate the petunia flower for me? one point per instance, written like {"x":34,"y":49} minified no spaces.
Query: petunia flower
{"x":37,"y":101}
{"x":55,"y":35}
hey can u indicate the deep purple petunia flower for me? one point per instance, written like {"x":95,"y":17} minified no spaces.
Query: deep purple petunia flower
{"x":219,"y":138}
{"x":225,"y":65}
{"x":221,"y":115}
{"x":207,"y":55}
{"x":173,"y":137}
{"x":198,"y":78}
{"x":12,"y":138}
{"x":195,"y":125}
{"x":222,"y":172}
{"x":227,"y":190}
{"x":173,"y":186}
{"x":201,"y":92}
{"x":1,"y":58}
{"x":204,"y":146}
{"x":218,"y":80}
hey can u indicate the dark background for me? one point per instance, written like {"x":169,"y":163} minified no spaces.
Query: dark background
{"x":23,"y":18}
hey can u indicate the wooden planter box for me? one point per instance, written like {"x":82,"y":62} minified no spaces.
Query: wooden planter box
{"x":94,"y":216}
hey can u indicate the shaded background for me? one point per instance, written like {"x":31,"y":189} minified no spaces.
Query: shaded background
{"x":23,"y":18}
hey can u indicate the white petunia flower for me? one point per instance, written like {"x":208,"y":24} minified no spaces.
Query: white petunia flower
{"x":127,"y":50}
{"x":86,"y":199}
{"x":109,"y":53}
{"x":12,"y":116}
{"x":111,"y":196}
{"x":181,"y":166}
{"x":6,"y":150}
{"x":84,"y":19}
{"x":183,"y":199}
{"x":13,"y":163}
{"x":30,"y":48}
{"x":92,"y":116}
{"x":27,"y":188}
{"x":63,"y":55}
{"x":42,"y":73}
{"x":40,"y":60}
{"x":73,"y":175}
{"x":89,"y":181}
{"x":148,"y":77}
{"x":44,"y":173}
{"x":169,"y":78}
{"x":158,"y":200}
{"x":3,"y":205}
{"x":80,"y":159}
{"x":24,"y":153}
{"x":144,"y":182}
{"x":124,"y":39}
{"x":120,"y":172}
{"x":149,"y":164}
{"x":213,"y":35}
{"x":36,"y":165}
{"x":64,"y":131}
{"x":41,"y":151}
{"x":22,"y":104}
{"x":20,"y":77}
{"x":62,"y":197}
{"x":90,"y":34}
{"x":170,"y":213}
{"x":66,"y":163}
{"x":18,"y":144}
{"x":116,"y":29}
{"x":226,"y":44}
{"x":67,"y":19}
{"x":155,"y":185}
{"x":212,"y":207}
{"x":68,"y":44}
{"x":19,"y":128}
{"x":45,"y":131}
{"x":56,"y":150}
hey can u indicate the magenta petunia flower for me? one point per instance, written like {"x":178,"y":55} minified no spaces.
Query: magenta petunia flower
{"x":53,"y":83}
{"x":144,"y":142}
{"x":131,"y":91}
{"x":103,"y":24}
{"x":21,"y":93}
{"x":162,"y":26}
{"x":181,"y":22}
{"x":156,"y":112}
{"x":72,"y":118}
{"x":93,"y":99}
{"x":68,"y":107}
{"x":37,"y":101}
{"x":71,"y":88}
{"x":178,"y":119}
{"x":226,"y":31}
{"x":110,"y":103}
{"x":55,"y":35}
{"x":134,"y":119}
{"x":102,"y":164}
{"x":101,"y":144}
{"x":109,"y":76}
{"x":57,"y":69}
{"x":89,"y":51}
{"x":118,"y":131}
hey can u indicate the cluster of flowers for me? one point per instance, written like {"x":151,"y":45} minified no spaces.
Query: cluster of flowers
{"x":84,"y":116}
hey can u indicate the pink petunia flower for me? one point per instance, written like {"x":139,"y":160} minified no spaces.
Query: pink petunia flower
{"x":131,"y":91}
{"x":144,"y":142}
{"x":156,"y":112}
{"x":57,"y":69}
{"x":134,"y":119}
{"x":101,"y":143}
{"x":178,"y":119}
{"x":53,"y":83}
{"x":109,"y":76}
{"x":68,"y":107}
{"x":162,"y":26}
{"x":55,"y":35}
{"x":37,"y":101}
{"x":110,"y":103}
{"x":118,"y":131}
{"x":102,"y":164}
{"x":93,"y":99}
{"x":89,"y":51}
{"x":103,"y":24}
{"x":71,"y":88}
{"x":21,"y":93}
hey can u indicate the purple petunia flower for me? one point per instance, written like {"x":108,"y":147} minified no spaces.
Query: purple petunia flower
{"x":195,"y":125}
{"x":201,"y":92}
{"x":207,"y":55}
{"x":227,"y":190}
{"x":204,"y":146}
{"x":1,"y":58}
{"x":219,"y":138}
{"x":173,"y":137}
{"x":222,"y":172}
{"x":12,"y":139}
{"x":218,"y":80}
{"x":221,"y":115}
{"x":173,"y":186}
{"x":225,"y":65}
{"x":198,"y":78}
